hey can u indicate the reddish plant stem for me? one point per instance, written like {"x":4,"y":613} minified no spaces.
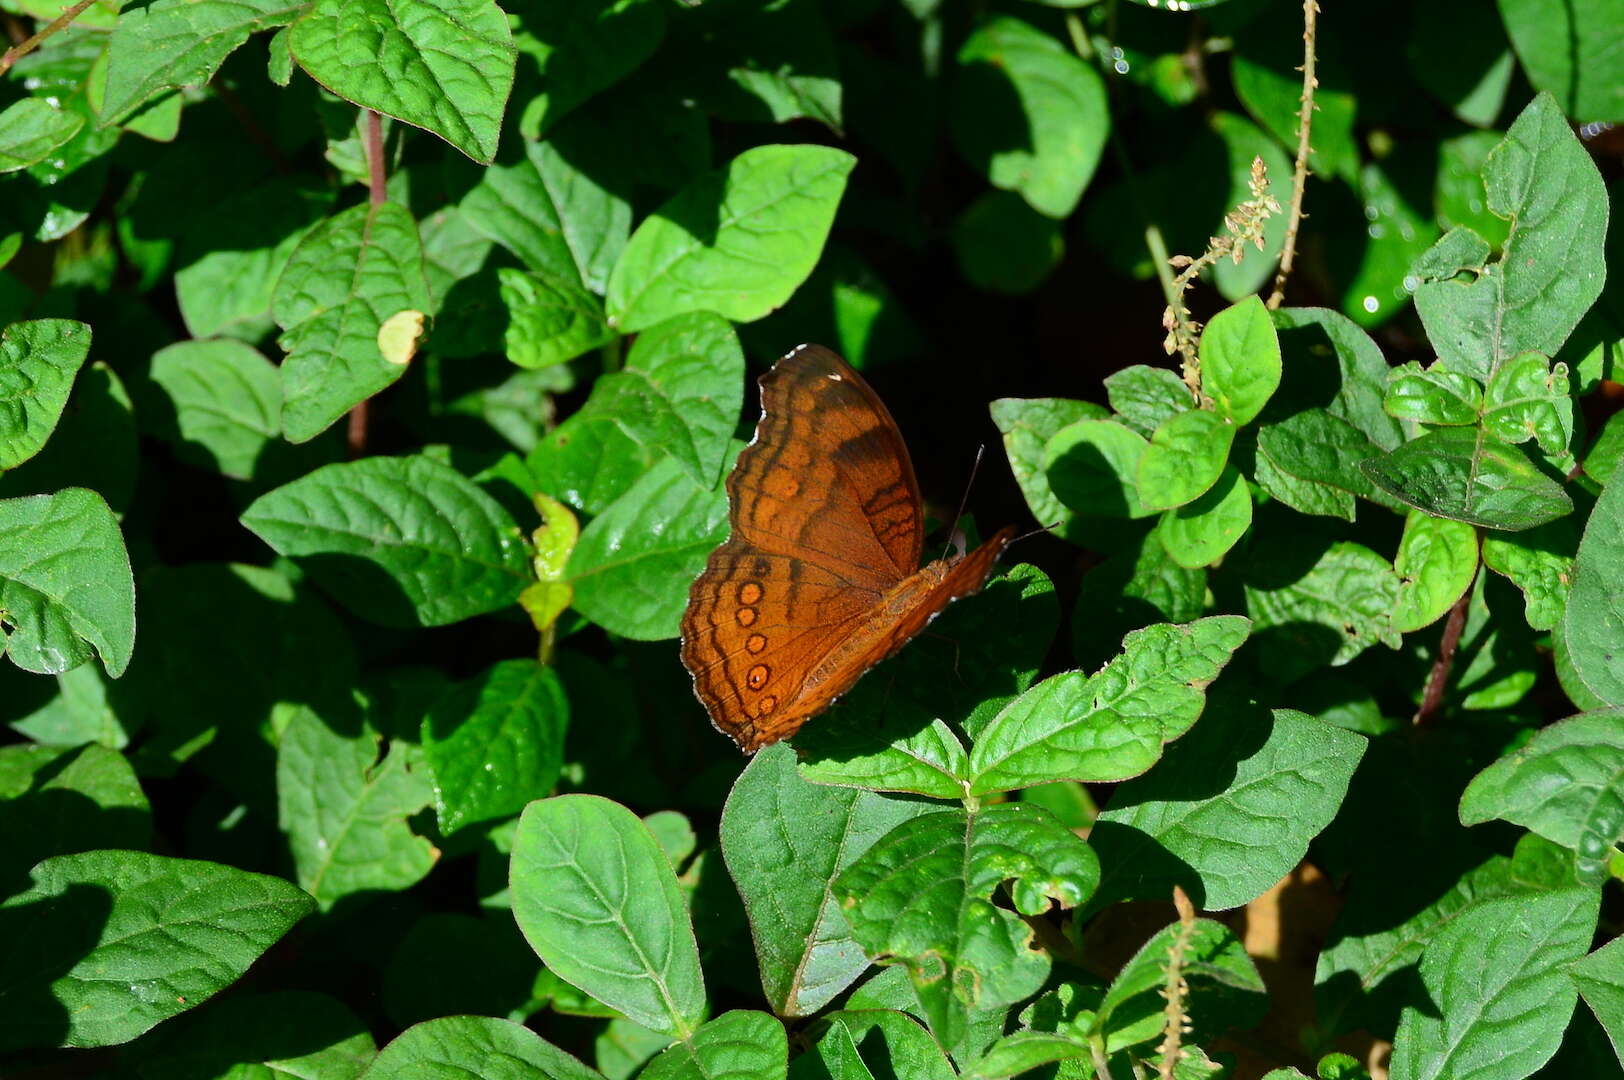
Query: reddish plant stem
{"x":355,"y":433}
{"x":376,"y":171}
{"x":17,"y":52}
{"x":1438,"y":678}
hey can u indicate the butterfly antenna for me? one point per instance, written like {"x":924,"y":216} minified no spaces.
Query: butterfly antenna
{"x":965,"y":501}
{"x":1040,"y":529}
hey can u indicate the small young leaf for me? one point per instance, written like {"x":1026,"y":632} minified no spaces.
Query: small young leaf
{"x":737,"y":241}
{"x":738,"y":1045}
{"x":1434,"y":395}
{"x":401,"y":541}
{"x":598,"y":901}
{"x":449,"y":63}
{"x":1240,"y":360}
{"x":38,"y":362}
{"x":1528,"y":399}
{"x":118,"y":941}
{"x":1538,"y":561}
{"x":1593,"y":628}
{"x":1093,"y":466}
{"x":30,"y":129}
{"x":1143,"y":397}
{"x":65,"y":583}
{"x":1199,"y":533}
{"x":1022,"y":1051}
{"x":1186,"y":456}
{"x":227,"y":402}
{"x":549,"y":321}
{"x":473,"y":1046}
{"x":1436,"y":561}
{"x":1461,"y":473}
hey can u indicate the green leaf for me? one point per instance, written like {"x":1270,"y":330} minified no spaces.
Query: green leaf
{"x":30,"y":129}
{"x":760,"y":63}
{"x":1021,"y":1051}
{"x":873,"y":741}
{"x":1200,"y":533}
{"x":1113,"y":724}
{"x":1240,"y":361}
{"x":1316,"y":605}
{"x":481,"y":966}
{"x":1144,"y":397}
{"x":1605,"y":454}
{"x":579,"y":50}
{"x":634,"y":562}
{"x":1282,"y":781}
{"x":1550,"y":269}
{"x":1527,"y":398}
{"x":785,"y":840}
{"x":1224,"y":986}
{"x":173,"y":43}
{"x":65,"y":583}
{"x":345,"y":811}
{"x":1496,"y":977}
{"x":1540,"y":563}
{"x":549,"y":321}
{"x":1092,"y":468}
{"x":401,"y":541}
{"x":1397,"y":227}
{"x":118,"y":941}
{"x":496,"y":742}
{"x":78,"y":713}
{"x":1330,"y":363}
{"x":1436,"y":562}
{"x":1014,"y":78}
{"x":1268,"y":80}
{"x":38,"y":362}
{"x":921,"y":896}
{"x":737,"y":241}
{"x":1027,"y":425}
{"x":1135,"y":587}
{"x":298,"y":1032}
{"x":1433,"y":395}
{"x":95,"y":445}
{"x":834,"y":1057}
{"x":61,"y":802}
{"x":598,"y":901}
{"x":1571,"y":52}
{"x":1005,"y":246}
{"x":1244,"y":143}
{"x":1309,"y":462}
{"x":561,"y":223}
{"x":738,"y":1045}
{"x":227,"y":403}
{"x":1461,"y":473}
{"x":474,"y":1046}
{"x":446,"y":65}
{"x":1186,"y":456}
{"x":1565,"y":784}
{"x":1466,"y":66}
{"x":1600,"y":978}
{"x":346,"y":278}
{"x":1593,"y":627}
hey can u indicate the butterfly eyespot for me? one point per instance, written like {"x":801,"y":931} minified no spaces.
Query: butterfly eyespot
{"x":746,"y":616}
{"x":757,"y":678}
{"x":768,"y":704}
{"x":750,"y":592}
{"x":756,"y":642}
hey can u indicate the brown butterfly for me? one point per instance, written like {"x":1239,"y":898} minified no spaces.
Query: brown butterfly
{"x":820,"y":580}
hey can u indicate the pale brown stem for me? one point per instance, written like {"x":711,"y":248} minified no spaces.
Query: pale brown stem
{"x":1299,"y":179}
{"x":17,"y":52}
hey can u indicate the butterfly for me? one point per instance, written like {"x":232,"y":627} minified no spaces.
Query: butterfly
{"x":820,"y":579}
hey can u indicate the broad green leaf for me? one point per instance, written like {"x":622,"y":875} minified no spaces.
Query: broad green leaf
{"x":173,"y":43}
{"x":442,"y":65}
{"x":95,"y":445}
{"x":1199,"y":533}
{"x":1436,"y":561}
{"x":481,"y":966}
{"x":1005,"y":246}
{"x":1240,"y":361}
{"x":1498,"y":983}
{"x":1593,"y":626}
{"x":598,"y":901}
{"x":30,"y":129}
{"x":227,"y":403}
{"x":909,"y":1048}
{"x":1565,"y":784}
{"x":550,"y":321}
{"x":1600,"y":978}
{"x":589,"y":461}
{"x":1330,"y":363}
{"x":496,"y":742}
{"x":737,"y":241}
{"x":38,"y":362}
{"x":1309,"y":462}
{"x":295,"y":1032}
{"x":634,"y":562}
{"x":1268,"y":80}
{"x":785,"y":840}
{"x":1397,"y":231}
{"x":1284,"y":779}
{"x":1539,"y":562}
{"x":580,"y":49}
{"x":1092,"y":467}
{"x":1463,"y":474}
{"x":1113,"y":724}
{"x":1136,"y":587}
{"x":1480,"y":314}
{"x":1571,"y":52}
{"x":401,"y":541}
{"x":482,"y":1046}
{"x":880,"y":742}
{"x":1224,"y":986}
{"x":561,"y":223}
{"x":78,"y":713}
{"x":1027,"y":425}
{"x":345,"y":811}
{"x":1458,"y":193}
{"x":1186,"y":456}
{"x":833,"y":1057}
{"x":921,"y":896}
{"x":1607,"y":452}
{"x":738,"y":1045}
{"x":119,"y":941}
{"x":1021,"y":1051}
{"x":1527,"y":398}
{"x":61,"y":802}
{"x":1315,"y":605}
{"x":1466,"y":65}
{"x":1143,"y":396}
{"x":1013,"y":77}
{"x":1433,"y":395}
{"x":65,"y":583}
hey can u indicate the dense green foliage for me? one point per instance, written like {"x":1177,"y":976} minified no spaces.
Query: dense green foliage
{"x":369,"y":376}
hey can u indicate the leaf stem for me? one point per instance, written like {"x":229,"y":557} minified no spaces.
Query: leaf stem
{"x":1299,"y":179}
{"x":17,"y":52}
{"x":1433,"y":697}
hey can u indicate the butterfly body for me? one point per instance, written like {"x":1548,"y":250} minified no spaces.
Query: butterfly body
{"x":820,"y":579}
